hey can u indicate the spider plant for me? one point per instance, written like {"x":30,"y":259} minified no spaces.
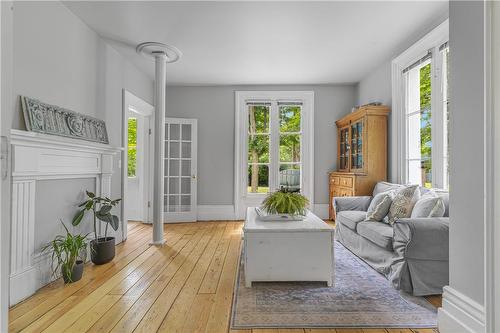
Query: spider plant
{"x":67,"y":251}
{"x":285,"y":202}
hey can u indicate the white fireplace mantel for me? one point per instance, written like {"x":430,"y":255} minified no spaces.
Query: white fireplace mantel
{"x":40,"y":157}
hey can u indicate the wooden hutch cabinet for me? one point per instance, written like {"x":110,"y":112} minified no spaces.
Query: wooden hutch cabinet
{"x":361,"y":153}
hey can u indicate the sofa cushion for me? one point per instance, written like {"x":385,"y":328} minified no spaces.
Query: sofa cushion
{"x":403,"y":203}
{"x":385,"y":187}
{"x":377,"y":232}
{"x":350,"y":218}
{"x":429,"y":205}
{"x":445,"y":195}
{"x":379,"y":207}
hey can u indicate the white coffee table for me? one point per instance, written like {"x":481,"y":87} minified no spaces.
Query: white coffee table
{"x":288,"y":250}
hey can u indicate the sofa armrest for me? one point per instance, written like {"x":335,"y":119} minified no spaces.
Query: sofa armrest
{"x":422,"y":238}
{"x":360,"y":203}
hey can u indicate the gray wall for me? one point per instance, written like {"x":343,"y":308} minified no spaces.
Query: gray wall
{"x":376,"y":86}
{"x":213,"y":106}
{"x":467,"y":153}
{"x":60,"y":60}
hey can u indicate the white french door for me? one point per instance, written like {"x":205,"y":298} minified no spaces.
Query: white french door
{"x":180,"y":173}
{"x":274,"y":145}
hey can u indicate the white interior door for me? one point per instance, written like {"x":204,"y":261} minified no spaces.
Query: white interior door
{"x":132,"y":189}
{"x":138,"y":166}
{"x":180,"y":169}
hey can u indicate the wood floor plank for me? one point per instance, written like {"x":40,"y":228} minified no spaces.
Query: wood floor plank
{"x":142,"y":270}
{"x":198,"y":314}
{"x":49,"y":317}
{"x":157,"y":312}
{"x":175,"y":319}
{"x":72,"y":315}
{"x":134,"y":315}
{"x":211,"y":279}
{"x":219,"y":316}
{"x":185,"y":286}
{"x":151,"y":275}
{"x":125,"y":252}
{"x":90,"y":317}
{"x":113,"y":316}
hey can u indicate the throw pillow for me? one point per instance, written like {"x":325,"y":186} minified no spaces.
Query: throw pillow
{"x":429,"y":206}
{"x":403,"y":203}
{"x":379,"y":206}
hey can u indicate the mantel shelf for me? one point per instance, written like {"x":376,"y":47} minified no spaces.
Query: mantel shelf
{"x":26,"y":138}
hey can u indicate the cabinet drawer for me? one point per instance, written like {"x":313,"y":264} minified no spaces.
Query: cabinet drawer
{"x":344,"y":192}
{"x":345,"y":181}
{"x":335,"y":180}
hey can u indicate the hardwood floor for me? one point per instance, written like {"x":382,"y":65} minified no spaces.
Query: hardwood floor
{"x":185,"y":286}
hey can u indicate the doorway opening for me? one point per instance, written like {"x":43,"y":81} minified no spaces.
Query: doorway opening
{"x":137,"y":173}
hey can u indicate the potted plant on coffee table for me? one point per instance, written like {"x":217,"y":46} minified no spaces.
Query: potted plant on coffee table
{"x":102,"y":248}
{"x":68,"y":255}
{"x":284,"y":204}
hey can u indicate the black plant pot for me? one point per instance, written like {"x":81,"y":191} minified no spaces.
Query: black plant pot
{"x":76,"y":273}
{"x":102,"y":251}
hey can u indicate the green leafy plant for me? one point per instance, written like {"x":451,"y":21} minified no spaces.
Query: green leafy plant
{"x":66,"y":250}
{"x":101,"y":209}
{"x":285,"y":202}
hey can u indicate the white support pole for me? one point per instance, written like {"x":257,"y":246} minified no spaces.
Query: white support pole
{"x":159,"y":139}
{"x":162,"y":54}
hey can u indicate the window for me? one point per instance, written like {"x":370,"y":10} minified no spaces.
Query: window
{"x":132,"y":147}
{"x":421,"y":113}
{"x":260,"y":144}
{"x":274,"y":144}
{"x":419,"y":116}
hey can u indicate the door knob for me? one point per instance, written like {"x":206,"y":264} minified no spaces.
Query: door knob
{"x":193,"y":176}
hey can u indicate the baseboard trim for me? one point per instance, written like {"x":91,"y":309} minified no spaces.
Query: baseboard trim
{"x":321,"y":211}
{"x":216,"y":213}
{"x":23,"y":285}
{"x":460,"y":313}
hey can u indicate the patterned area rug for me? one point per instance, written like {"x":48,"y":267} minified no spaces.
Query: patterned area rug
{"x":361,"y":297}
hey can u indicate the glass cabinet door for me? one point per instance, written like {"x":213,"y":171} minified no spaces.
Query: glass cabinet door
{"x":357,"y":145}
{"x":344,"y":148}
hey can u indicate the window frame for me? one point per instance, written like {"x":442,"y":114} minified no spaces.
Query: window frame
{"x":242,"y":199}
{"x":399,"y":135}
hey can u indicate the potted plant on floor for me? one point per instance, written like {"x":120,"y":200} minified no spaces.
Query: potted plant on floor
{"x":68,"y":255}
{"x":102,"y":249}
{"x":284,"y":205}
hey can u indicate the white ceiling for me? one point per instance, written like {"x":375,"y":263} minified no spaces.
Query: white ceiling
{"x":264,"y":42}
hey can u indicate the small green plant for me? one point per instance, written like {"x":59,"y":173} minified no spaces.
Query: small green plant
{"x":285,"y":202}
{"x":66,"y":251}
{"x":101,"y":209}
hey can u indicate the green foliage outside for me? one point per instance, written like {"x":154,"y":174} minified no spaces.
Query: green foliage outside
{"x":132,"y":146}
{"x":258,"y":142}
{"x":425,"y":124}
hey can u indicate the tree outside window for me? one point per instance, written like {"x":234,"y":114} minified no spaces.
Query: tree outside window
{"x":132,"y":147}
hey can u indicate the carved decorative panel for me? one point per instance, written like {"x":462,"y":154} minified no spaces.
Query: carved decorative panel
{"x":51,"y":119}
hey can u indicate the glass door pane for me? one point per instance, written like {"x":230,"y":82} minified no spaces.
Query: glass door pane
{"x":357,"y":145}
{"x":180,"y":180}
{"x":258,"y":148}
{"x":344,"y":149}
{"x":290,"y":143}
